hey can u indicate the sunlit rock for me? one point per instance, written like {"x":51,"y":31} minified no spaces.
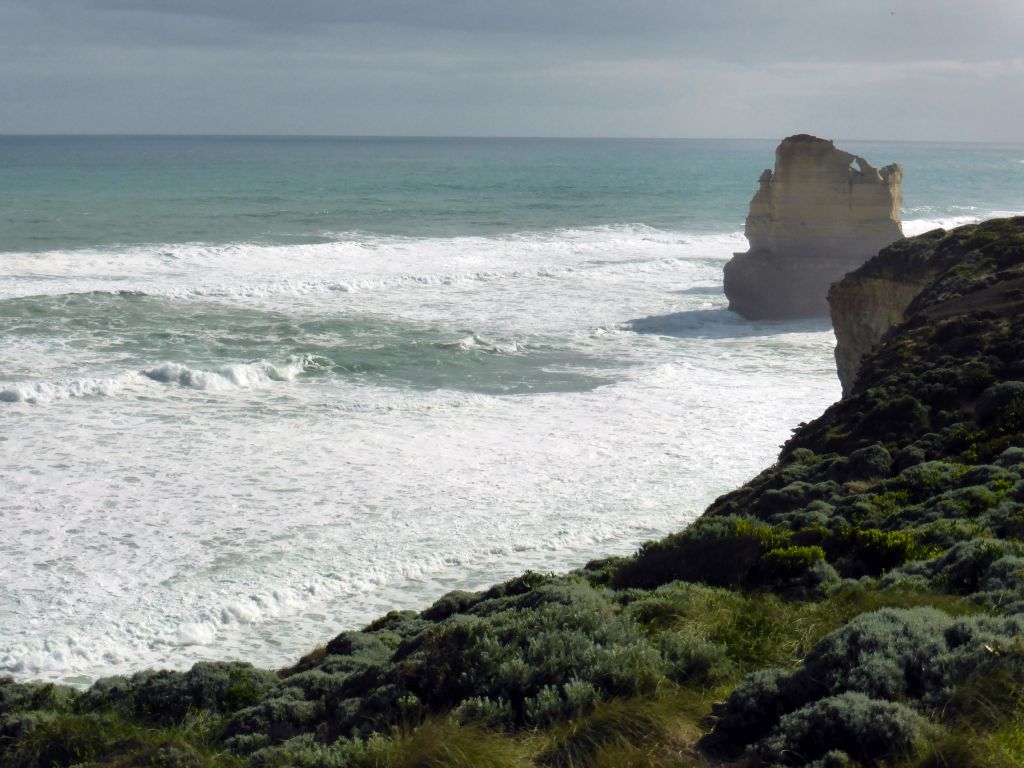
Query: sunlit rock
{"x":822,"y":213}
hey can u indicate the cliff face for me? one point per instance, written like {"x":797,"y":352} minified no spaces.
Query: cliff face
{"x":870,"y":300}
{"x":811,"y":221}
{"x":873,"y":298}
{"x":862,"y":311}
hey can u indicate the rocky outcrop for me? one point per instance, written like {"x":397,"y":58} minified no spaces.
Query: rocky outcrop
{"x":862,"y":311}
{"x":873,"y":298}
{"x":885,"y":291}
{"x":813,"y":219}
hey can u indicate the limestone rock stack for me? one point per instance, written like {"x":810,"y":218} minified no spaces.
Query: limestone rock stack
{"x":813,"y":219}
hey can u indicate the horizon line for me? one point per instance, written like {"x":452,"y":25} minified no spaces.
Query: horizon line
{"x":463,"y":137}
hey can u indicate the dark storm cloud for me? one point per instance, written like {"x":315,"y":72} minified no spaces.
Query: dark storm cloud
{"x":899,"y":69}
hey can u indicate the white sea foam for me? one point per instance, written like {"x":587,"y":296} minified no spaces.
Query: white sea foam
{"x":916,"y":226}
{"x":242,"y":375}
{"x":227,"y":378}
{"x":38,"y":392}
{"x":221,"y":506}
{"x":353,"y":262}
{"x":474,"y":343}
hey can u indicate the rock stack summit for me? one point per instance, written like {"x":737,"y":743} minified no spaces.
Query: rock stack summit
{"x":813,"y":219}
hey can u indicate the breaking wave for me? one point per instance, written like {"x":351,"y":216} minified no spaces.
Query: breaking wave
{"x":39,"y":392}
{"x":229,"y":377}
{"x":239,"y":376}
{"x":918,"y":226}
{"x":355,"y":262}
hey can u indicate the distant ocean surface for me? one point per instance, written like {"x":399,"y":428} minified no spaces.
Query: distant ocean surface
{"x":255,"y":391}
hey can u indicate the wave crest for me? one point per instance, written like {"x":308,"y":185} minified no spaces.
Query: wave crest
{"x":40,"y":392}
{"x":237,"y":376}
{"x":475,"y":343}
{"x":229,"y":377}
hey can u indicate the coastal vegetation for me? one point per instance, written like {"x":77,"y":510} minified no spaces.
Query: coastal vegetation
{"x":860,"y":602}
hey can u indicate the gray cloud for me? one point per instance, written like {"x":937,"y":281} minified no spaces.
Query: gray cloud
{"x":902,"y":69}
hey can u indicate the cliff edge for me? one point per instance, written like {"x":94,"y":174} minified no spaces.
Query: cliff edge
{"x":812,"y":220}
{"x":875,"y":297}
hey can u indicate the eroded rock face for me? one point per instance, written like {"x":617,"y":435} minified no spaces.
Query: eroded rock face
{"x":814,"y":219}
{"x":863,"y":309}
{"x":875,"y":297}
{"x":928,"y":278}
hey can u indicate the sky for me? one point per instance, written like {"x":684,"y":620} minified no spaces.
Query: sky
{"x":943,"y":70}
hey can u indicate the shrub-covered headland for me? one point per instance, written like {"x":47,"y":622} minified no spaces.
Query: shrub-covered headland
{"x":859,"y":603}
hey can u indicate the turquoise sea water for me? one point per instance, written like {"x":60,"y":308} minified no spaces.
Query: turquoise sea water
{"x":75,"y":192}
{"x":256,"y":390}
{"x":78,"y":192}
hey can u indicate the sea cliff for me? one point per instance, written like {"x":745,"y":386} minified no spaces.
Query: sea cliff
{"x":875,"y":297}
{"x":860,"y":602}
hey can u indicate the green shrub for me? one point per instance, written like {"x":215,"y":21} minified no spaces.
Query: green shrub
{"x":939,"y":535}
{"x":24,"y":697}
{"x":990,"y":695}
{"x":751,"y":711}
{"x":887,"y":654}
{"x":1001,"y":407}
{"x":628,"y":668}
{"x":306,"y":752}
{"x":278,"y":718}
{"x":1006,"y":520}
{"x":858,"y":551}
{"x":910,"y":456}
{"x":451,"y":603}
{"x":165,"y":697}
{"x":247,"y":743}
{"x":895,"y":419}
{"x":434,"y":744}
{"x":816,"y":515}
{"x":793,"y":496}
{"x":72,"y":739}
{"x":961,"y":568}
{"x":720,"y":551}
{"x":562,"y":633}
{"x":367,"y":646}
{"x":692,"y":660}
{"x":872,"y":461}
{"x":311,"y":685}
{"x":1011,"y":458}
{"x":404,"y":624}
{"x":924,"y":480}
{"x":554,"y":704}
{"x":601,"y":572}
{"x":519,"y":585}
{"x":852,"y":724}
{"x":787,"y":563}
{"x":1004,"y":575}
{"x":959,"y":503}
{"x":490,"y":713}
{"x":876,"y":551}
{"x":882,"y":507}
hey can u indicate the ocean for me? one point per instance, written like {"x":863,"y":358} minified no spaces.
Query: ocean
{"x":255,"y":391}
